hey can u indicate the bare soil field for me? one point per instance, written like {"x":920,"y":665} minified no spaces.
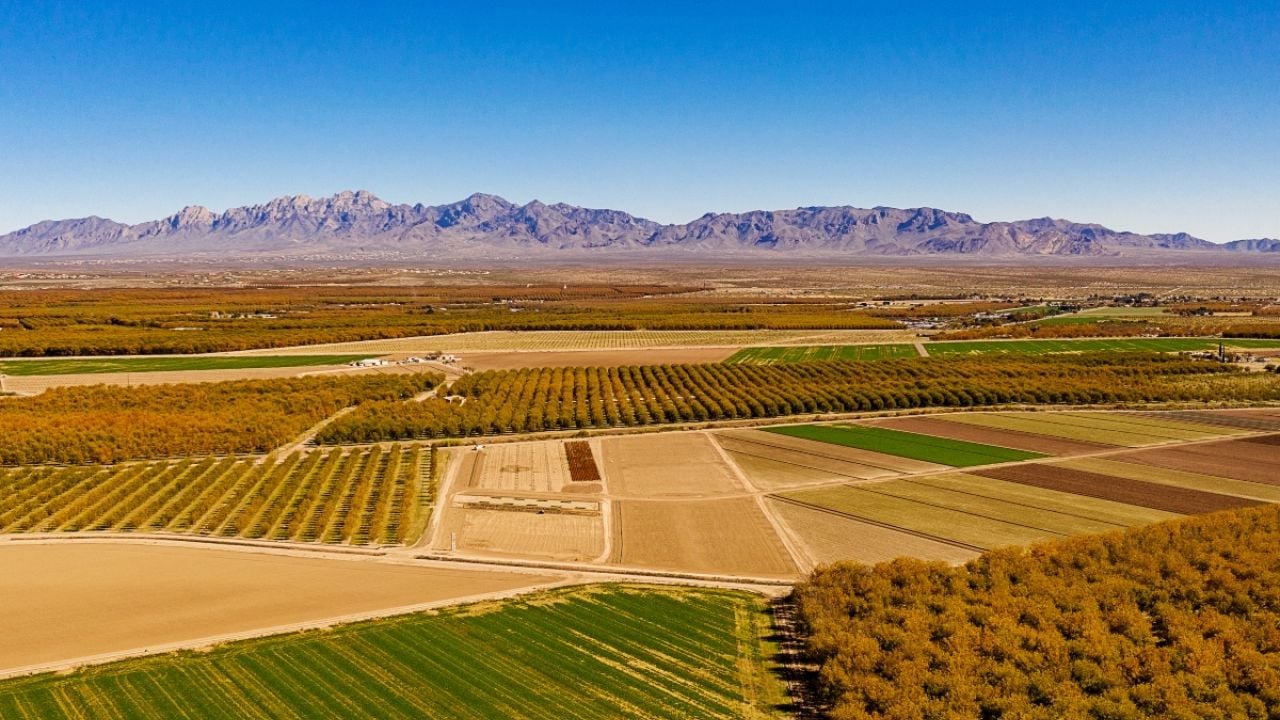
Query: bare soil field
{"x":1180,"y":478}
{"x":794,"y":449}
{"x":680,"y":464}
{"x":939,"y":427}
{"x":771,"y":474}
{"x":553,"y":536}
{"x":504,"y":341}
{"x":729,"y":536}
{"x":829,"y":537}
{"x":1241,"y":419}
{"x":1251,"y":462}
{"x":1114,"y":513}
{"x":1180,"y":500}
{"x":64,"y":601}
{"x":1044,"y":424}
{"x":527,"y":467}
{"x":592,"y":358}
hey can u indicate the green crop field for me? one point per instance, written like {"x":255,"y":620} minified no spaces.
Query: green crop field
{"x":598,"y":652}
{"x":374,"y":495}
{"x":943,"y":451}
{"x":85,"y":366}
{"x":812,"y":353}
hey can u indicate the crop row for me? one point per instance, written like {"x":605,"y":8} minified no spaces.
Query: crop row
{"x":531,"y":400}
{"x":359,"y":497}
{"x":582,"y":462}
{"x":595,"y":653}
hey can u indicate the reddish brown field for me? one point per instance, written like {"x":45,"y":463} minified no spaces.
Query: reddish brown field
{"x":1239,"y":419}
{"x":1237,"y":459}
{"x":1134,"y":492}
{"x":582,"y":463}
{"x":990,"y":436}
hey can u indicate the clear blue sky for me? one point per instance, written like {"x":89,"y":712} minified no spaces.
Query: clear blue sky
{"x":1148,"y":116}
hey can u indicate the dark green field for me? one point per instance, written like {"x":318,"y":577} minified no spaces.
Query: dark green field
{"x":157,"y":364}
{"x":598,"y":652}
{"x":928,"y":448}
{"x":810,"y":353}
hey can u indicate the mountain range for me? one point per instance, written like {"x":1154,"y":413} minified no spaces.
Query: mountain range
{"x":355,"y":224}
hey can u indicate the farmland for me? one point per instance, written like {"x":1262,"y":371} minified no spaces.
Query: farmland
{"x":943,"y":451}
{"x":815,"y":353}
{"x":104,"y":424}
{"x":666,"y":652}
{"x":157,"y":595}
{"x":81,"y":366}
{"x":370,"y":496}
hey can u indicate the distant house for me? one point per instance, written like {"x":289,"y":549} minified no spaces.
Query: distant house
{"x":368,"y":362}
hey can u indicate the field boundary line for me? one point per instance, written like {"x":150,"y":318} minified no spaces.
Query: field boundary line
{"x":617,"y":571}
{"x":877,"y":523}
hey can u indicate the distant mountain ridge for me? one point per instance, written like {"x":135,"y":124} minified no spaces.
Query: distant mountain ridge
{"x":357,"y":223}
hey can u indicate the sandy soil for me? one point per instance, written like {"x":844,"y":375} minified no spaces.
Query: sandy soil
{"x":528,"y":467}
{"x":989,"y":436}
{"x":828,"y":537}
{"x":593,"y":358}
{"x":554,"y":536}
{"x":679,"y":464}
{"x":794,"y":449}
{"x":705,"y":536}
{"x":64,"y":601}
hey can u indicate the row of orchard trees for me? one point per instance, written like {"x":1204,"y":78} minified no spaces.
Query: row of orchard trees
{"x":105,"y":424}
{"x":532,"y":400}
{"x":1179,"y":620}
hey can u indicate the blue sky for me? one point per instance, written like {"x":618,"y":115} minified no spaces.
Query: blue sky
{"x":1147,"y":116}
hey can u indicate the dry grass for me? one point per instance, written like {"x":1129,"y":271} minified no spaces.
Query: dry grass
{"x":683,"y":464}
{"x":829,"y":538}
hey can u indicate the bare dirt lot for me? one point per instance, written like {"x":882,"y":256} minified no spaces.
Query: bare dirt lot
{"x":827,"y":537}
{"x":555,"y":536}
{"x":729,"y":536}
{"x":1238,"y":460}
{"x":593,"y":358}
{"x":989,"y":436}
{"x":680,"y":464}
{"x":65,"y":601}
{"x":528,"y":467}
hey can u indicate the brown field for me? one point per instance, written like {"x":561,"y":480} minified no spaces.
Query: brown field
{"x":989,"y":436}
{"x":830,"y":537}
{"x":59,"y":602}
{"x":1182,"y":478}
{"x":582,"y":462}
{"x":593,"y":358}
{"x":793,"y":449}
{"x":1254,"y":462}
{"x":1240,"y":419}
{"x":1180,"y":500}
{"x":683,"y":464}
{"x":554,"y":536}
{"x":730,"y":536}
{"x":526,"y":467}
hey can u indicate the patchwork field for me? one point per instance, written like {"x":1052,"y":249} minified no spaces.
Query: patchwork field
{"x":1249,"y":461}
{"x":64,"y":601}
{"x":943,"y":451}
{"x":1186,"y":501}
{"x":828,"y":537}
{"x":668,"y":465}
{"x":518,"y":359}
{"x":367,"y":496}
{"x":939,"y":427}
{"x":730,"y":536}
{"x":815,"y":353}
{"x":1119,"y":466}
{"x":600,"y":652}
{"x":1041,"y":347}
{"x":1121,"y":429}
